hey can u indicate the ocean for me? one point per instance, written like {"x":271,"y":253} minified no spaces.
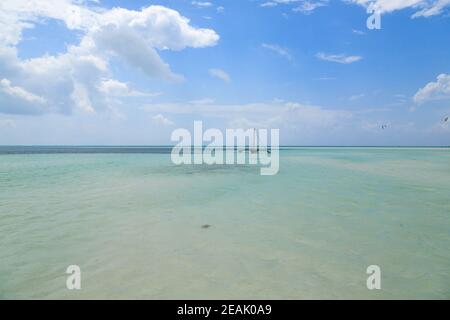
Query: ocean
{"x":135,"y":224}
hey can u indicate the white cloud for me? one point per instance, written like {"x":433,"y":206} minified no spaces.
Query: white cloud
{"x":161,"y":120}
{"x":427,"y":8}
{"x":163,"y":28}
{"x":303,"y":6}
{"x":19,"y":92}
{"x":19,"y":14}
{"x":439,"y":90}
{"x":201,"y":4}
{"x":339,"y":58}
{"x":114,"y":87}
{"x":268,"y":4}
{"x":136,"y":53}
{"x":274,"y":3}
{"x":432,"y":10}
{"x":283,"y":52}
{"x":307,"y":7}
{"x":144,"y":31}
{"x":117,"y":88}
{"x":81,"y":98}
{"x":219,"y":74}
{"x":387,"y":5}
{"x":75,"y":79}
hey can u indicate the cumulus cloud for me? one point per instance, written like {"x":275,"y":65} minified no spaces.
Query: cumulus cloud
{"x":219,"y":74}
{"x":438,"y":90}
{"x":19,"y":14}
{"x":161,"y":120}
{"x":339,"y":58}
{"x":21,"y":93}
{"x":116,"y":88}
{"x":75,"y":79}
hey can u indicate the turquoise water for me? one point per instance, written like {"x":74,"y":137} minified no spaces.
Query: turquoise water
{"x":133,"y":223}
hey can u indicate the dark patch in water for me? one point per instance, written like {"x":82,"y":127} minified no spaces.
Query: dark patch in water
{"x":206,"y":226}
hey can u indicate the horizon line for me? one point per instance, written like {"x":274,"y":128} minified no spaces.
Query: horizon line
{"x":171,"y":146}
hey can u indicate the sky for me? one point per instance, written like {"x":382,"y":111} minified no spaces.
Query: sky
{"x":110,"y":72}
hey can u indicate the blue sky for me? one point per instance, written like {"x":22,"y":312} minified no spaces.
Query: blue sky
{"x":130,"y":72}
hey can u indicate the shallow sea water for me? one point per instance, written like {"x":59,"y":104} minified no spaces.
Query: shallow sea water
{"x":133,"y":223}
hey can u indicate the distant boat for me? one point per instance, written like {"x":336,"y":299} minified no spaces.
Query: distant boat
{"x":254,"y":147}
